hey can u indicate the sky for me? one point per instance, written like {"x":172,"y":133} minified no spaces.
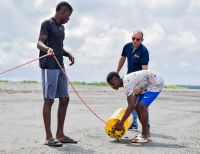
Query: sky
{"x":97,"y":32}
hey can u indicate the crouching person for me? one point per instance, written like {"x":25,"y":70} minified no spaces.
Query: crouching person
{"x":147,"y":85}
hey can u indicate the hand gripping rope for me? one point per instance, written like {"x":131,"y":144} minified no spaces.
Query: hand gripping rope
{"x":63,"y":71}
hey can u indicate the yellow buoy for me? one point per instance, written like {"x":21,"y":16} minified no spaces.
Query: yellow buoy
{"x":113,"y":120}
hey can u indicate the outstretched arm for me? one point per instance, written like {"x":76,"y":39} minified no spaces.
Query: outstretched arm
{"x":131,"y":104}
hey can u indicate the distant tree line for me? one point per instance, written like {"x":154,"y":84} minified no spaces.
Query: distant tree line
{"x":190,"y":86}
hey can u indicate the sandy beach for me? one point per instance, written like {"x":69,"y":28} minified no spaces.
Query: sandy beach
{"x":174,"y":119}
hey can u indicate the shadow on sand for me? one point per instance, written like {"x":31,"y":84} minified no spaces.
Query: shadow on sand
{"x":151,"y":143}
{"x":73,"y":148}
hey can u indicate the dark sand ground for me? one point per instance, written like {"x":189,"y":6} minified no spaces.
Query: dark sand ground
{"x":174,"y":118}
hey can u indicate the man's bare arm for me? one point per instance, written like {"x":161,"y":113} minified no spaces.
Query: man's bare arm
{"x":41,"y":46}
{"x":144,"y":67}
{"x":121,"y":63}
{"x":69,"y":55}
{"x":131,"y":105}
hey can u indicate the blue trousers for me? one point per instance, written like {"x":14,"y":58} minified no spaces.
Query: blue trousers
{"x":134,"y":113}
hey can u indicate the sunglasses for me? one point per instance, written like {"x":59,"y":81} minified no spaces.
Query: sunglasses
{"x":137,"y":39}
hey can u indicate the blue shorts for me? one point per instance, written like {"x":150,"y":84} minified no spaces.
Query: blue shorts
{"x":147,"y":98}
{"x":54,"y":84}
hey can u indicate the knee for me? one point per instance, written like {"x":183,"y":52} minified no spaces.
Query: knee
{"x":48,"y":102}
{"x":64,"y":101}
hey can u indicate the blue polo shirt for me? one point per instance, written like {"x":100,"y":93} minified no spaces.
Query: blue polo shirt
{"x":136,"y":58}
{"x":55,"y":37}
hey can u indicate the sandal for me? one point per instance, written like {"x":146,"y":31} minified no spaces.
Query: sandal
{"x":140,"y":139}
{"x":68,"y":140}
{"x":53,"y":143}
{"x":139,"y":135}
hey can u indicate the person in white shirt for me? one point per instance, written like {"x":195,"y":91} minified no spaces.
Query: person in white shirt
{"x":147,"y":85}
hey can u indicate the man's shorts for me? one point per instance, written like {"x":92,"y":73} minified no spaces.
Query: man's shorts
{"x":54,"y":84}
{"x":147,"y":98}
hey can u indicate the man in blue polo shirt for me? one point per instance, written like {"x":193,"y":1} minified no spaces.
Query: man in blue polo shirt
{"x":137,"y":59}
{"x":54,"y":83}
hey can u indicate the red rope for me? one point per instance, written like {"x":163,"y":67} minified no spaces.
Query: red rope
{"x":13,"y":68}
{"x":63,"y":71}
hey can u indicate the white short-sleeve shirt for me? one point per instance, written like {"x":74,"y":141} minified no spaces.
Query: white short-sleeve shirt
{"x":140,"y":81}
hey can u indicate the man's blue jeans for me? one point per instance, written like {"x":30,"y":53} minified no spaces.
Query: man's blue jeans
{"x":134,"y":113}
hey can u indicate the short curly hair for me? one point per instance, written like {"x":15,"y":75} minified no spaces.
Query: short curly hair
{"x":64,"y":3}
{"x":111,"y":75}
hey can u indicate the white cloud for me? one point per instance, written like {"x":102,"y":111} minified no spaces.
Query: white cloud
{"x":97,"y":32}
{"x":187,"y":40}
{"x":156,"y":3}
{"x":185,"y":64}
{"x":38,"y":2}
{"x":14,"y":54}
{"x":193,"y":6}
{"x":103,"y":45}
{"x":154,"y":34}
{"x":3,"y":57}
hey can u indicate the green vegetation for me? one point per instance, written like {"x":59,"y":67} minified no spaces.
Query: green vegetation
{"x":173,"y":87}
{"x":91,"y":83}
{"x":190,"y":86}
{"x":4,"y":81}
{"x":29,"y":81}
{"x":24,"y":81}
{"x":106,"y":84}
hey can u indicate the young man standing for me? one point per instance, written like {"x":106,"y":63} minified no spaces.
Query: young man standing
{"x":147,"y":85}
{"x":53,"y":80}
{"x":137,"y":59}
